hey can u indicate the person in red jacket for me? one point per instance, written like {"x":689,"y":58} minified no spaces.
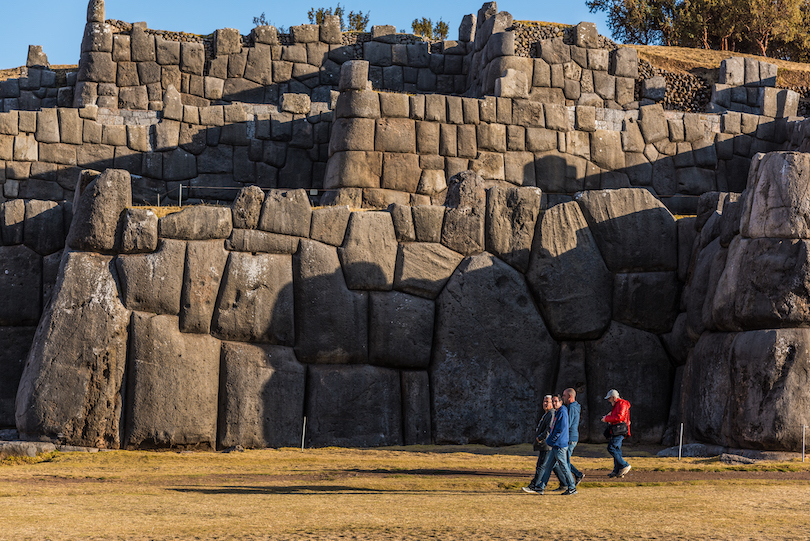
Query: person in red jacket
{"x":619,"y":414}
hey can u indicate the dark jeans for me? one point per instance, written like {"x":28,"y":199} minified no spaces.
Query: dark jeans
{"x":575,"y":472}
{"x":538,"y":469}
{"x":615,"y":450}
{"x":557,"y":456}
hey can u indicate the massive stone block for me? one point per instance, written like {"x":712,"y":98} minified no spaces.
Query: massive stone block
{"x":199,"y":222}
{"x":262,"y":396}
{"x":256,"y":299}
{"x":247,"y":207}
{"x":633,"y":229}
{"x":330,"y":320}
{"x":287,"y":212}
{"x":353,"y":406}
{"x":72,"y":378}
{"x":416,"y":427}
{"x":205,"y":263}
{"x":172,"y":385}
{"x":568,"y":276}
{"x":423,"y":268}
{"x":14,"y":345}
{"x":778,"y":204}
{"x":153,"y":282}
{"x":95,"y":218}
{"x":369,"y":251}
{"x":633,"y":362}
{"x":400,"y":331}
{"x":765,"y":284}
{"x":512,"y":214}
{"x":20,"y":286}
{"x":487,"y":374}
{"x":646,"y":300}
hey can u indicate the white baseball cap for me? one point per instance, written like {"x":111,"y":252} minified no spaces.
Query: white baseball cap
{"x":613,"y":392}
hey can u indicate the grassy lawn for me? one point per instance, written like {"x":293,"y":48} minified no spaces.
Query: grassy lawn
{"x":404,"y":493}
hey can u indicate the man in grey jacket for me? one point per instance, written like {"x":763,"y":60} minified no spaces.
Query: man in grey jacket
{"x":569,"y":397}
{"x":542,"y":431}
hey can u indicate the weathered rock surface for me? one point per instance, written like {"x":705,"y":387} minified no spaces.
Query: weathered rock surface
{"x":44,"y":226}
{"x":205,"y":263}
{"x":14,"y":345}
{"x":72,"y":378}
{"x":646,"y":300}
{"x":778,"y":202}
{"x":353,"y":406}
{"x":255,"y":240}
{"x":199,"y":222}
{"x":465,"y":216}
{"x":153,"y":282}
{"x":568,"y":276}
{"x":172,"y":385}
{"x":400,"y":331}
{"x":487,"y":374}
{"x":95,"y":224}
{"x":247,"y":207}
{"x":633,"y":362}
{"x":256,"y":300}
{"x":139,"y":231}
{"x":415,"y":407}
{"x":369,"y":251}
{"x":633,"y":229}
{"x":262,"y":396}
{"x":329,"y":224}
{"x":20,"y":285}
{"x":512,"y":214}
{"x":424,"y":267}
{"x":287,"y":212}
{"x":331,"y":322}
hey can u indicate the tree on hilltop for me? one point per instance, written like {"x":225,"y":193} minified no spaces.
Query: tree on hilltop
{"x":357,"y":22}
{"x":425,"y":27}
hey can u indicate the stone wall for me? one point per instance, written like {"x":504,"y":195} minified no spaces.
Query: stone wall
{"x":423,"y":323}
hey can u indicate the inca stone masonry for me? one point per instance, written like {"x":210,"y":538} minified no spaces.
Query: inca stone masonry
{"x":406,"y":242}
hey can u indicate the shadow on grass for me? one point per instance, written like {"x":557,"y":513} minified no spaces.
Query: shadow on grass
{"x":299,"y":489}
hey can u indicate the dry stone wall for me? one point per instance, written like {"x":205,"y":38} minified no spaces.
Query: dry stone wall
{"x":383,"y":328}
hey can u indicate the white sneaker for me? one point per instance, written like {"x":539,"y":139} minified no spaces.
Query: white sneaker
{"x":623,"y":471}
{"x":530,"y":490}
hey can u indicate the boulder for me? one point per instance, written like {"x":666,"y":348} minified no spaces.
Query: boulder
{"x":153,"y":282}
{"x":205,"y":263}
{"x":633,"y":362}
{"x":572,"y":374}
{"x":696,"y":292}
{"x":72,"y":378}
{"x":247,"y":207}
{"x":262,"y":396}
{"x":423,"y":268}
{"x":139,"y":231}
{"x":487,"y":374}
{"x":255,"y":303}
{"x":512,"y":214}
{"x":415,"y":407}
{"x":400,"y":330}
{"x":369,"y":251}
{"x":464,"y":219}
{"x":356,"y":406}
{"x":200,"y":222}
{"x":568,"y":276}
{"x":287,"y":212}
{"x":96,"y":215}
{"x":677,"y":342}
{"x":20,"y":285}
{"x":402,"y":218}
{"x":778,"y":204}
{"x":646,"y":300}
{"x":172,"y":385}
{"x":330,"y":320}
{"x":12,"y":221}
{"x":328,"y":224}
{"x":14,"y":345}
{"x":765,"y":284}
{"x":427,"y":222}
{"x":633,"y":229}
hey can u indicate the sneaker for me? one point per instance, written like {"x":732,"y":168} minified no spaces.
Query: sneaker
{"x":612,"y":474}
{"x":530,"y":489}
{"x":560,"y":488}
{"x":579,"y":479}
{"x":623,"y":471}
{"x":569,"y":492}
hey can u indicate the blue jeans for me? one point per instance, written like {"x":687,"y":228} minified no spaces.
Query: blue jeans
{"x":615,"y":450}
{"x":558,"y":456}
{"x":574,"y":472}
{"x":538,"y":469}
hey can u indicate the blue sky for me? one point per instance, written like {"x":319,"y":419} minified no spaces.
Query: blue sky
{"x":57,"y":25}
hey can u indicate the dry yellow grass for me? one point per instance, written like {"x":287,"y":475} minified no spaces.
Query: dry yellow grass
{"x":410,"y":493}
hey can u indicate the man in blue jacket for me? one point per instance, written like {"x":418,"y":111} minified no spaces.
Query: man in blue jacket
{"x":569,"y":398}
{"x":558,"y":456}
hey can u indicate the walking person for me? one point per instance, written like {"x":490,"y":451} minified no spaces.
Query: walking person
{"x":558,"y":455}
{"x":569,"y":398}
{"x":618,"y":421}
{"x":541,"y":433}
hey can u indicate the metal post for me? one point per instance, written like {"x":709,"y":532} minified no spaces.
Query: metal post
{"x":804,"y":432}
{"x":158,"y":199}
{"x":180,"y":195}
{"x":680,"y":443}
{"x":303,"y":433}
